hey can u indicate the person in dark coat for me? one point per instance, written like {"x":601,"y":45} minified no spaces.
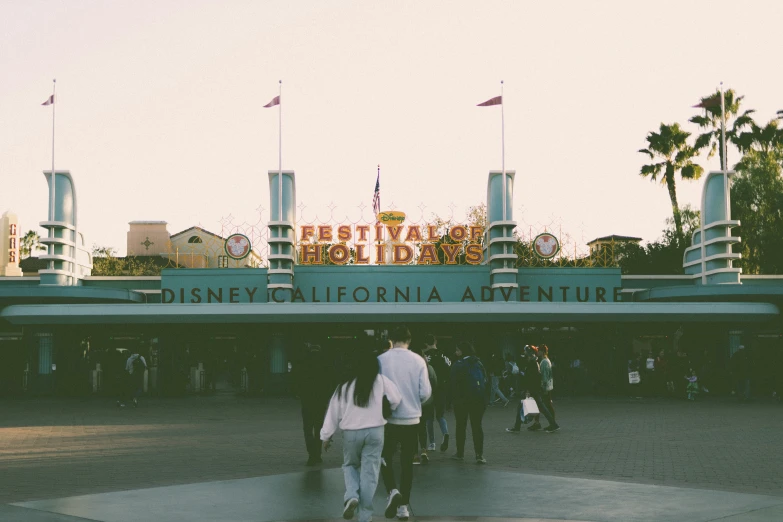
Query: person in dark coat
{"x":314,"y":384}
{"x":531,"y":382}
{"x":469,"y":382}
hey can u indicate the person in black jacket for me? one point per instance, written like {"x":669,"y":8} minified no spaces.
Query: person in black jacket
{"x":442,"y":366}
{"x":469,"y":385}
{"x":531,"y":382}
{"x":314,"y":384}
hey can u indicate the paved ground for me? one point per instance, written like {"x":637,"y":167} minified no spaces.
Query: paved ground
{"x":58,"y":448}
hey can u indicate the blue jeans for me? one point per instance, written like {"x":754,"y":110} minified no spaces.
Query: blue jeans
{"x":437,"y":413}
{"x":496,"y":390}
{"x":361,"y":466}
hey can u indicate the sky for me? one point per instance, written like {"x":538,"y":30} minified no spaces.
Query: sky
{"x":159,"y":105}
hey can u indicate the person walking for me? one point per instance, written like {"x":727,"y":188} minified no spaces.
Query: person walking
{"x":547,"y":379}
{"x":134,"y":379}
{"x":496,"y":366}
{"x":532,"y":384}
{"x":356,"y":408}
{"x":314,"y":384}
{"x":469,"y":385}
{"x":427,"y":414}
{"x":409,"y":372}
{"x":442,"y":366}
{"x":740,"y":369}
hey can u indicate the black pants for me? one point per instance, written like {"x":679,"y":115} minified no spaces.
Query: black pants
{"x":542,"y":407}
{"x":407,"y":437}
{"x":313,"y":413}
{"x":473,"y":411}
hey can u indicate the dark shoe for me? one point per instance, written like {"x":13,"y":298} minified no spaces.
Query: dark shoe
{"x":480,"y":459}
{"x":445,"y":445}
{"x":457,"y":457}
{"x":416,"y":460}
{"x":551,"y":429}
{"x":506,"y":403}
{"x":350,"y":508}
{"x":312,"y":461}
{"x":425,"y":459}
{"x":513,"y":430}
{"x":534,"y":427}
{"x":395,"y":499}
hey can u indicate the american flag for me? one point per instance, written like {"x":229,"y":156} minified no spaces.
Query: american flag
{"x":376,"y":197}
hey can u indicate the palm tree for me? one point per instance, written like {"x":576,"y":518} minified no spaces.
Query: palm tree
{"x":710,"y":121}
{"x":766,"y":139}
{"x":30,"y":243}
{"x":670,"y":152}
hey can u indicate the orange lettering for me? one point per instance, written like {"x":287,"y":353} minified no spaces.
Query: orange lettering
{"x":344,"y":233}
{"x":402,"y":254}
{"x":474,"y":254}
{"x":432,"y":231}
{"x":324,"y":232}
{"x":361,"y":259}
{"x":379,"y":257}
{"x":307,"y":232}
{"x":311,"y":254}
{"x":476,"y":232}
{"x":394,"y":232}
{"x":451,"y":252}
{"x":339,"y":254}
{"x":428,"y":255}
{"x":362,"y":230}
{"x":458,"y":233}
{"x":414,"y":233}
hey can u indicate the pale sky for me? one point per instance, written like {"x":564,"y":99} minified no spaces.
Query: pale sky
{"x":159,"y":104}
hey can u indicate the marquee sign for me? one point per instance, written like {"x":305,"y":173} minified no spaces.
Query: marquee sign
{"x":390,"y":242}
{"x":546,"y":246}
{"x":237,"y":246}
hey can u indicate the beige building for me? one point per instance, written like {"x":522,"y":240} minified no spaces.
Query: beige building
{"x":194,"y":247}
{"x":610,"y":244}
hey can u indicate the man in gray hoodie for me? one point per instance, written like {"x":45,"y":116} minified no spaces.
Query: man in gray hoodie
{"x":409,"y":372}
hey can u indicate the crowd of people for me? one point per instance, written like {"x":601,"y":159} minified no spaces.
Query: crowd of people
{"x":394,"y":398}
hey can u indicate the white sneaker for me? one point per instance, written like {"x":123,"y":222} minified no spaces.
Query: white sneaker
{"x":431,"y":447}
{"x":350,"y":508}
{"x":402,"y":513}
{"x":395,"y":498}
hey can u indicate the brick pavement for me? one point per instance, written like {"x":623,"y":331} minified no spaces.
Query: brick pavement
{"x":61,"y":447}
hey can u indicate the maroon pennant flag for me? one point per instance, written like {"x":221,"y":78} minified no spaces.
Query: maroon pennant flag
{"x":497,"y":100}
{"x":707,"y":103}
{"x":49,"y":100}
{"x":275,"y":101}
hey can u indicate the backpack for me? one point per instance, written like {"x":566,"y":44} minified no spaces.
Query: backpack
{"x":477,"y":380}
{"x":138,"y":366}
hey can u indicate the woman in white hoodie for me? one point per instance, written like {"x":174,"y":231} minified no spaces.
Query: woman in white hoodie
{"x":357,"y":408}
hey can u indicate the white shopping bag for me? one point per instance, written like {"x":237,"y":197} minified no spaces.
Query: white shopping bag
{"x":633,"y":378}
{"x":529,"y":407}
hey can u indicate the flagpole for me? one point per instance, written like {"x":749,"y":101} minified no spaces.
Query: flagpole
{"x":723,"y":151}
{"x":503,"y":148}
{"x":54,"y":185}
{"x":280,"y":165}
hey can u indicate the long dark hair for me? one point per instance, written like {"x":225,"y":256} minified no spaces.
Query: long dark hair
{"x":364,"y":371}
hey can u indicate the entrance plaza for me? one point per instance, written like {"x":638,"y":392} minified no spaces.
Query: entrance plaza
{"x":231,"y":458}
{"x":218,"y":435}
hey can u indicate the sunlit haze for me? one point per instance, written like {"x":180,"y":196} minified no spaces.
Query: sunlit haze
{"x":159,"y":104}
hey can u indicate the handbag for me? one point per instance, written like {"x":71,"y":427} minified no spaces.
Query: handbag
{"x":529,"y":407}
{"x":386,"y":405}
{"x":634,"y":378}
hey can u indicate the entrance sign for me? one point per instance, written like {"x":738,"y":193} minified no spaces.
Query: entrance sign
{"x":546,"y":245}
{"x":237,"y":246}
{"x":390,"y":242}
